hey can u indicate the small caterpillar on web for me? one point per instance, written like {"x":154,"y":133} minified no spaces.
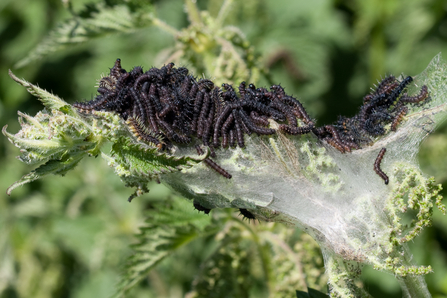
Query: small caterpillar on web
{"x":377,"y":166}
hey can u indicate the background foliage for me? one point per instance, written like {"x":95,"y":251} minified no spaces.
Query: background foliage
{"x":69,"y":237}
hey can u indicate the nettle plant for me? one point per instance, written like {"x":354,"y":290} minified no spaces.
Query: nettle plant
{"x":354,"y":186}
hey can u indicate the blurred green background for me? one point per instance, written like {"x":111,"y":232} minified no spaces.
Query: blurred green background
{"x":70,"y":236}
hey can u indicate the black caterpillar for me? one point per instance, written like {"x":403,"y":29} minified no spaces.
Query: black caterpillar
{"x":169,"y":106}
{"x":246,"y":214}
{"x":377,"y":168}
{"x":199,"y":207}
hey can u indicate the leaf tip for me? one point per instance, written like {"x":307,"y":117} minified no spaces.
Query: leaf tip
{"x":5,"y":133}
{"x":12,"y":75}
{"x":10,"y":189}
{"x":15,"y":78}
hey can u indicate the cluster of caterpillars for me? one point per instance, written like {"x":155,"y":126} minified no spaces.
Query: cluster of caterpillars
{"x":168,"y":106}
{"x":384,"y":105}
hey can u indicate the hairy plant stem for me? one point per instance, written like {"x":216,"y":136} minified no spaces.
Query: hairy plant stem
{"x":162,"y":25}
{"x":223,"y":12}
{"x":193,"y":12}
{"x":265,"y":259}
{"x":343,"y":276}
{"x":413,"y":286}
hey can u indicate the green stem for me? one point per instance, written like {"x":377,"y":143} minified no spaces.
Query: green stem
{"x":159,"y":23}
{"x":193,"y":12}
{"x":223,"y":12}
{"x":414,"y":286}
{"x":342,"y":277}
{"x":265,"y":260}
{"x":292,"y":256}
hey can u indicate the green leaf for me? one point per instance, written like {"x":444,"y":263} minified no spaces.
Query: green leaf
{"x":55,"y":167}
{"x":156,"y":243}
{"x":311,"y":294}
{"x":301,"y":294}
{"x":81,"y":235}
{"x":48,"y":99}
{"x":98,"y":20}
{"x":137,"y":164}
{"x":228,"y":271}
{"x":140,"y":159}
{"x":316,"y":294}
{"x":180,"y":213}
{"x":164,"y":234}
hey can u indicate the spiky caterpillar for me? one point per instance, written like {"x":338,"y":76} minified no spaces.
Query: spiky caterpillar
{"x":377,"y":168}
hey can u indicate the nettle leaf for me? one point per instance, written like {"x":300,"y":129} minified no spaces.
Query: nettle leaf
{"x":57,"y":138}
{"x":138,"y":164}
{"x":165,"y":233}
{"x":311,"y":294}
{"x":227,"y":272}
{"x":98,"y":20}
{"x":50,"y":135}
{"x":55,"y":167}
{"x":154,"y":246}
{"x":207,"y":47}
{"x":179,"y":214}
{"x":48,"y":99}
{"x":142,"y":160}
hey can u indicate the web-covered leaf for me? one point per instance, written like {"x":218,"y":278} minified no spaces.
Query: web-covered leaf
{"x":338,"y":198}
